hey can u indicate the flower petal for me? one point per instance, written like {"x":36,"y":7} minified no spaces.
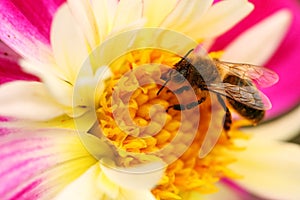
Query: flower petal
{"x":162,"y":10}
{"x":274,"y":165}
{"x":57,"y":84}
{"x":104,"y":12}
{"x":142,"y":177}
{"x":224,"y":192}
{"x":27,"y":100}
{"x":84,"y":187}
{"x":7,"y":53}
{"x":265,"y":38}
{"x":25,"y":26}
{"x":32,"y":10}
{"x":69,"y":44}
{"x":63,"y":121}
{"x":83,"y":14}
{"x":9,"y":67}
{"x":38,"y":164}
{"x":136,"y":195}
{"x":284,"y":128}
{"x":128,"y":12}
{"x":220,"y":18}
{"x":185,"y":12}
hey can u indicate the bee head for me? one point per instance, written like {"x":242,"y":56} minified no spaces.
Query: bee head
{"x":179,"y":76}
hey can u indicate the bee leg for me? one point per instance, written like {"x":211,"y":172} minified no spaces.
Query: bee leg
{"x":228,"y":120}
{"x":227,"y":117}
{"x":187,"y":106}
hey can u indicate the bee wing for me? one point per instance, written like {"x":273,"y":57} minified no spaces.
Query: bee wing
{"x":261,"y":76}
{"x":247,"y":95}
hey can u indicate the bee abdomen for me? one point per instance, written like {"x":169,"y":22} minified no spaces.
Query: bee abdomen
{"x":252,"y":114}
{"x":249,"y":113}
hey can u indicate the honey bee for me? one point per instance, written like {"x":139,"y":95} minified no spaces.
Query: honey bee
{"x":234,"y":81}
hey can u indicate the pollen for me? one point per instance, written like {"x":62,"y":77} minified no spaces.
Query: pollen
{"x":133,"y":117}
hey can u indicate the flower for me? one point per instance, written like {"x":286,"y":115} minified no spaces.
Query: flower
{"x":46,"y":157}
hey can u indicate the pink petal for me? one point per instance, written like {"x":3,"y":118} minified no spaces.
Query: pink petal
{"x":39,"y":13}
{"x":38,"y":164}
{"x":285,"y":94}
{"x":238,"y":190}
{"x":25,"y":25}
{"x":9,"y":68}
{"x":3,"y":119}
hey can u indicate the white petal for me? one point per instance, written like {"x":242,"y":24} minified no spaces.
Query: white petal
{"x":128,"y":12}
{"x":114,"y":191}
{"x":283,"y":128}
{"x":59,"y":88}
{"x":88,"y":85}
{"x":63,"y":121}
{"x":86,"y":96}
{"x":258,"y":44}
{"x":83,"y":13}
{"x":85,"y":187}
{"x":54,"y":80}
{"x":136,"y":195}
{"x":104,"y":12}
{"x":28,"y":100}
{"x":156,"y":11}
{"x":271,"y":169}
{"x":69,"y":44}
{"x":220,"y":18}
{"x":142,"y":177}
{"x":185,"y":13}
{"x":107,"y":186}
{"x":100,"y":76}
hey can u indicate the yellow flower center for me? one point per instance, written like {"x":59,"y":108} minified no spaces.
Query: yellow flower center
{"x":150,"y":130}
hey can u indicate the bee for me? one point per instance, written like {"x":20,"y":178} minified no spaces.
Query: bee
{"x":234,"y":81}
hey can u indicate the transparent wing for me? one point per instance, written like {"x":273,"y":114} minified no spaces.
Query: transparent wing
{"x":248,"y":95}
{"x":259,"y":75}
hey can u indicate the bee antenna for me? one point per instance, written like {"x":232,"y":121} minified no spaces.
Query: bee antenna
{"x":163,"y":86}
{"x":186,"y":55}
